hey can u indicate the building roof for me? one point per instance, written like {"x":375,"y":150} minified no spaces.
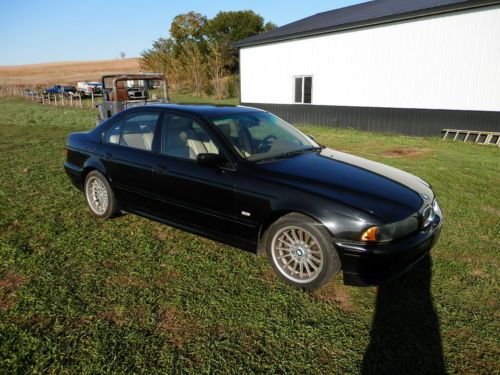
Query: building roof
{"x":364,"y":14}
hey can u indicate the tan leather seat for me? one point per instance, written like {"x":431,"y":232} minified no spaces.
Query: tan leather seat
{"x":194,"y":143}
{"x":148,"y":140}
{"x":226,"y":130}
{"x":135,"y":140}
{"x":138,"y":135}
{"x":183,"y":141}
{"x":121,"y":92}
{"x":115,"y":139}
{"x":176,"y":141}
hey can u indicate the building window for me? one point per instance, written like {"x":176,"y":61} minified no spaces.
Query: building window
{"x":303,"y":89}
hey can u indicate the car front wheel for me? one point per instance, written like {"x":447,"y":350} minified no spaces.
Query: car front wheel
{"x":100,"y":196}
{"x":301,"y":252}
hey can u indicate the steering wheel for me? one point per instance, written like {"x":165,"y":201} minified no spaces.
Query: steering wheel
{"x":266,"y":141}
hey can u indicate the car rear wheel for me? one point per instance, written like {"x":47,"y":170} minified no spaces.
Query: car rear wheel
{"x":301,"y":251}
{"x":100,"y":196}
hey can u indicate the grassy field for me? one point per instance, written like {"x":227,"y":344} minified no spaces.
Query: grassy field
{"x":68,"y":72}
{"x":79,"y":295}
{"x":182,"y":97}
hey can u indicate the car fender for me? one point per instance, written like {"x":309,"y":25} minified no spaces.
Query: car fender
{"x":271,"y":218}
{"x":93,"y":164}
{"x":341,"y":221}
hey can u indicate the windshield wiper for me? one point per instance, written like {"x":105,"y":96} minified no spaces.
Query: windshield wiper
{"x":288,"y":154}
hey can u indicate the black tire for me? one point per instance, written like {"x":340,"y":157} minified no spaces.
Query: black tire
{"x":111,"y":208}
{"x":327,"y":267}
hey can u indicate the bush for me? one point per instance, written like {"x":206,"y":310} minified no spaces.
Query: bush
{"x":208,"y":88}
{"x":233,"y":86}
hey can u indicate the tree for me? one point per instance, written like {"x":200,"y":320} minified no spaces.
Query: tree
{"x":122,"y":55}
{"x":199,"y":49}
{"x":189,"y":49}
{"x":160,"y":58}
{"x":193,"y":62}
{"x":188,"y":27}
{"x":215,"y":68}
{"x":269,"y":26}
{"x":229,"y":27}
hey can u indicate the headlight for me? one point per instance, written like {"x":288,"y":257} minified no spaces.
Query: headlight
{"x":388,"y":232}
{"x":437,"y":209}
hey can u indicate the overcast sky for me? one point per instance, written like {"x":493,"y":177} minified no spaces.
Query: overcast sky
{"x":68,"y":30}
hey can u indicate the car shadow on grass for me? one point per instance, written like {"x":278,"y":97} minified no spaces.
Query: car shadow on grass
{"x":405,"y":336}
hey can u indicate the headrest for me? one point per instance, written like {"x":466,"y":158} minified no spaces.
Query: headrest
{"x":225,"y":128}
{"x":178,"y":123}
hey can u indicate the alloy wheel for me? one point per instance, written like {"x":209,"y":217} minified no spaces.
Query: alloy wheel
{"x":97,"y":195}
{"x":297,"y":254}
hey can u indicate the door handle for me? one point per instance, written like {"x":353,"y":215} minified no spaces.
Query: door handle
{"x":160,"y":169}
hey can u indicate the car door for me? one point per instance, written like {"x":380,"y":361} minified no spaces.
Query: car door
{"x":128,"y":157}
{"x":194,"y":196}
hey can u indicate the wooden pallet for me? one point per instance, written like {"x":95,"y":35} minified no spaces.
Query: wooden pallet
{"x":473,"y":136}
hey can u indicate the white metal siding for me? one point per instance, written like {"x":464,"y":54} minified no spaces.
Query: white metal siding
{"x":441,"y":62}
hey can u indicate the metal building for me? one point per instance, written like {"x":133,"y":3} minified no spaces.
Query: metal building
{"x":404,"y":66}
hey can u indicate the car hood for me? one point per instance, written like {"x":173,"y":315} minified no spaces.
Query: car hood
{"x":386,"y":192}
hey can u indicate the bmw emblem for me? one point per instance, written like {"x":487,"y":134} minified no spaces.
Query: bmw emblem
{"x":425,"y":196}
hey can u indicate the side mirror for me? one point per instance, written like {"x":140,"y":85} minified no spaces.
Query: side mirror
{"x":312,"y":137}
{"x":210,"y":160}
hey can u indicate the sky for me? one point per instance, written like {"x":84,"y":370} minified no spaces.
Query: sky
{"x":34,"y":31}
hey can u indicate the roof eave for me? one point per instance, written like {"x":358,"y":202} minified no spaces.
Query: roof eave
{"x":372,"y":22}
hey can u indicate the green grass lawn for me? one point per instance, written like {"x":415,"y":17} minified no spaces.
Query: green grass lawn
{"x":185,"y":98}
{"x":79,"y":295}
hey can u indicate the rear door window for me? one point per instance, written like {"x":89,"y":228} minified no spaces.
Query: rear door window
{"x":139,"y":129}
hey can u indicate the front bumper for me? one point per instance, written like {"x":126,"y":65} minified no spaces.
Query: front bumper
{"x":365,"y":265}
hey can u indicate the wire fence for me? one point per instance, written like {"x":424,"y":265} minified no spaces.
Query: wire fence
{"x":67,"y":99}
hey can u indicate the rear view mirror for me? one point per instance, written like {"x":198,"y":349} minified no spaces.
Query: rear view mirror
{"x":210,"y":160}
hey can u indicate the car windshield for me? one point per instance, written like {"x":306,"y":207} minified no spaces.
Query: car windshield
{"x":260,"y":136}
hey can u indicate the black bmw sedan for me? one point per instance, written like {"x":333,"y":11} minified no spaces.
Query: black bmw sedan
{"x":244,"y":177}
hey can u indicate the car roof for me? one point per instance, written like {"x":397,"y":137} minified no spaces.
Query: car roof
{"x":203,"y":110}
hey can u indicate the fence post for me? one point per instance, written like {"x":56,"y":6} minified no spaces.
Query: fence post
{"x":92,"y":93}
{"x":71,"y":98}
